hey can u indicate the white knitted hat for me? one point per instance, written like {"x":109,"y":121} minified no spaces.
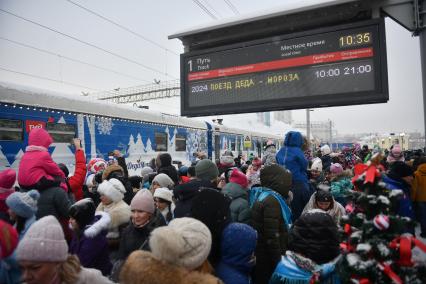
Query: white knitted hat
{"x":317,"y":165}
{"x":113,"y":189}
{"x":184,"y":242}
{"x":163,"y":180}
{"x":325,"y":150}
{"x":164,"y":193}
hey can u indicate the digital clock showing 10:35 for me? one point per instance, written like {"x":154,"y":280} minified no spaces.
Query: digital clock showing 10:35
{"x":355,"y":39}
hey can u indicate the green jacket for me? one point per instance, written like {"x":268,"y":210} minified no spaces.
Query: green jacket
{"x":240,"y":209}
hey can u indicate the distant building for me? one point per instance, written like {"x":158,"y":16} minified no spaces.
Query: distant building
{"x":416,"y":141}
{"x":407,"y":141}
{"x":283,"y":116}
{"x":264,"y":118}
{"x":320,"y":130}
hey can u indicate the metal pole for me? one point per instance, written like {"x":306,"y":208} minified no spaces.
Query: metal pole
{"x":308,"y":125}
{"x":422,"y":38}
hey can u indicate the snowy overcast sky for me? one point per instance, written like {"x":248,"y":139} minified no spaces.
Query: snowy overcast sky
{"x":153,"y":56}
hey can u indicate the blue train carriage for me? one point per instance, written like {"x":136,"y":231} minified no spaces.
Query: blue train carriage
{"x":102,"y":127}
{"x":231,"y":139}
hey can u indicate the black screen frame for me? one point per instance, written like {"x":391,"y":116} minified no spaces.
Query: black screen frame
{"x":379,"y":95}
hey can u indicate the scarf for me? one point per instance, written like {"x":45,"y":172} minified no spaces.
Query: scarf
{"x":297,"y":269}
{"x":260,"y":193}
{"x":34,"y":148}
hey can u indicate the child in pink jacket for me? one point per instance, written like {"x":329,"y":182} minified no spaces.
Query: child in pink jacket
{"x":37,"y":170}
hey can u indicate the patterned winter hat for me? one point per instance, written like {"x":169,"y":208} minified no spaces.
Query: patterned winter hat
{"x":43,"y":242}
{"x":96,"y":164}
{"x":23,"y":204}
{"x":227,"y":161}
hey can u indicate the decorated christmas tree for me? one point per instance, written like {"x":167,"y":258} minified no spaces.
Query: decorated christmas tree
{"x":375,"y":247}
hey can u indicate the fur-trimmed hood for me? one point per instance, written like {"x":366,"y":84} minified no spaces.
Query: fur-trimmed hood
{"x":88,"y":275}
{"x":344,"y":174}
{"x":101,"y":223}
{"x":119,"y":213}
{"x":141,"y":267}
{"x":337,"y":211}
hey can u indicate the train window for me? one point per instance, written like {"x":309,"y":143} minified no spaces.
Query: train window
{"x":160,"y":141}
{"x":180,"y":142}
{"x":253,"y":143}
{"x":203,"y":143}
{"x":60,"y":132}
{"x":239,"y":144}
{"x":11,"y":130}
{"x":233,"y":145}
{"x":264,"y":141}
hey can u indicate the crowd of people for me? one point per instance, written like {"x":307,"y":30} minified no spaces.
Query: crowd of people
{"x":269,"y":219}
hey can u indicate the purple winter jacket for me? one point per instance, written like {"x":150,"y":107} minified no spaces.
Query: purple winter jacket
{"x":91,"y":247}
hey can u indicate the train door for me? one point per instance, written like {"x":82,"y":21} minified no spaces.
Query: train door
{"x":259,"y":147}
{"x":209,"y":141}
{"x":216,"y":147}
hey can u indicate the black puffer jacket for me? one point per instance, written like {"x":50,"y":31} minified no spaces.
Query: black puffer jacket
{"x":212,"y":208}
{"x":165,"y":166}
{"x":185,"y":193}
{"x":269,"y":223}
{"x":133,"y":238}
{"x":315,"y":236}
{"x":55,"y":201}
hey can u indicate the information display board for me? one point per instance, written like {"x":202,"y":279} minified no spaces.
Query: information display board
{"x":339,"y":65}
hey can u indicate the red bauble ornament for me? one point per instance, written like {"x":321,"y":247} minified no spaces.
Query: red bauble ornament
{"x":381,"y":222}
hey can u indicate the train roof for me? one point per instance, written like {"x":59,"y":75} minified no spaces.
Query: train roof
{"x":23,"y":95}
{"x":230,"y":130}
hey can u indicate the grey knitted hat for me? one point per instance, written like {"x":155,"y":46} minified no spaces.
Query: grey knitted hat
{"x":44,"y":242}
{"x":206,"y":170}
{"x":24,"y":204}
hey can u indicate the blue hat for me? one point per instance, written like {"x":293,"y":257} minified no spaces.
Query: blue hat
{"x":183,"y":170}
{"x":23,"y":204}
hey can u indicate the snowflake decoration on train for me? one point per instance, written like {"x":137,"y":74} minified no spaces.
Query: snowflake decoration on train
{"x":104,"y":125}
